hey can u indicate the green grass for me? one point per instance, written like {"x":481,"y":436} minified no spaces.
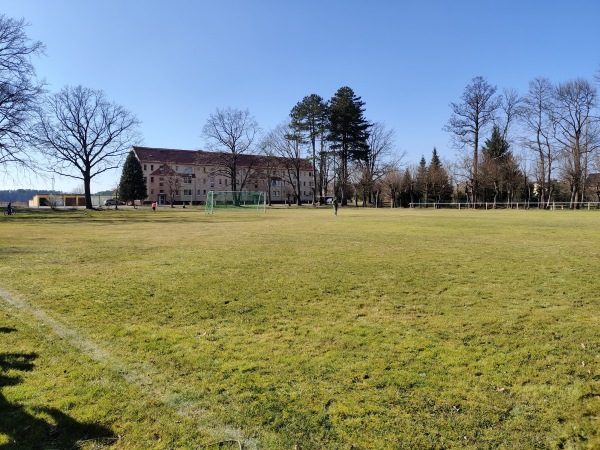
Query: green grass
{"x":376,"y":329}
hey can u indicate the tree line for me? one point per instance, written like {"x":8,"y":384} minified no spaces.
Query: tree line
{"x":539,"y":146}
{"x":349,"y":157}
{"x":79,"y":132}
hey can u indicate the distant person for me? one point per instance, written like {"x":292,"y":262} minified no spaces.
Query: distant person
{"x":335,"y":206}
{"x":9,"y":210}
{"x":153,"y":206}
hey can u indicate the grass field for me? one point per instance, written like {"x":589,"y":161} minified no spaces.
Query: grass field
{"x":378,"y":329}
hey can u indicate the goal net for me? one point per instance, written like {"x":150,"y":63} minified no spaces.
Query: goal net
{"x":243,"y":200}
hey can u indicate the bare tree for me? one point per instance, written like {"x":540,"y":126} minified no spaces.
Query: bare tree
{"x":360,"y":180}
{"x":19,"y":91}
{"x":116,"y":195}
{"x":577,"y":131}
{"x":382,"y":156}
{"x":84,"y":135}
{"x":327,"y":170}
{"x":286,"y":143}
{"x":539,"y":123}
{"x":469,"y":119}
{"x":231,"y":133}
{"x":457,"y":174}
{"x":393,"y":180}
{"x":171,"y":181}
{"x":408,"y":186}
{"x":268,"y":164}
{"x":510,"y":107}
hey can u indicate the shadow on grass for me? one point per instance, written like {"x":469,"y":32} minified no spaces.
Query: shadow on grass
{"x":49,"y":427}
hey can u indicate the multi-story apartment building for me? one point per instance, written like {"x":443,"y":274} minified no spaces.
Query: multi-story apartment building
{"x":186,"y":176}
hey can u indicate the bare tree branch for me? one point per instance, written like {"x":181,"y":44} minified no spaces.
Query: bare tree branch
{"x":19,"y":92}
{"x":83,"y":135}
{"x":231,"y":133}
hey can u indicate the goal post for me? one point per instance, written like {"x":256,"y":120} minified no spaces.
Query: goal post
{"x":238,"y":200}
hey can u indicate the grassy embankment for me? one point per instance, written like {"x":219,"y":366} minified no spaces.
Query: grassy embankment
{"x":378,"y":329}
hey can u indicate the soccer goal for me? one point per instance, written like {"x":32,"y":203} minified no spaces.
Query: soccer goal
{"x":242,"y":200}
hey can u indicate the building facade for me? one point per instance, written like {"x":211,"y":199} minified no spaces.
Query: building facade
{"x":186,"y":176}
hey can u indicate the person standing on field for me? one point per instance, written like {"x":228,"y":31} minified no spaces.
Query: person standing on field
{"x":153,"y":206}
{"x":335,"y":206}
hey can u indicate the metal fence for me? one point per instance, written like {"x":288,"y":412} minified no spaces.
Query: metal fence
{"x":509,"y":205}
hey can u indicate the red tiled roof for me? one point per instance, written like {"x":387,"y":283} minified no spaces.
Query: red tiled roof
{"x":175,"y":156}
{"x":166,"y":155}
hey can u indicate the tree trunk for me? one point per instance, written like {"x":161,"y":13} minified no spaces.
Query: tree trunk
{"x":87,"y":189}
{"x":298,"y":188}
{"x":495,"y":193}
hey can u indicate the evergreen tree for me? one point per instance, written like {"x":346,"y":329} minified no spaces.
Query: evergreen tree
{"x":498,"y":168}
{"x":440,"y":189}
{"x":422,"y":181}
{"x":348,"y":132}
{"x":132,"y":186}
{"x":309,"y":118}
{"x":407,"y":186}
{"x":496,"y":146}
{"x":435,"y":160}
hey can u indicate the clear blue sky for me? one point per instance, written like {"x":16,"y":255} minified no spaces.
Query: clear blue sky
{"x":173,"y":63}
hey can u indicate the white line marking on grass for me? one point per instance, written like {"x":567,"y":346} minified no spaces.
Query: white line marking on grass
{"x":143,"y":382}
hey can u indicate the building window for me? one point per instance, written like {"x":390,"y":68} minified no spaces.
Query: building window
{"x":144,"y":166}
{"x":203,"y":192}
{"x":151,"y":191}
{"x":220,"y":181}
{"x":212,"y":182}
{"x":151,"y":166}
{"x":145,"y":180}
{"x":162,"y":191}
{"x":151,"y":179}
{"x":187,"y":192}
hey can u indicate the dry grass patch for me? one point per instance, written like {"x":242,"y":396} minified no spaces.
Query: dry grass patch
{"x":375,"y":329}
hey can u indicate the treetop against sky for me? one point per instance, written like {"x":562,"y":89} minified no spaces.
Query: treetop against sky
{"x":406,"y":60}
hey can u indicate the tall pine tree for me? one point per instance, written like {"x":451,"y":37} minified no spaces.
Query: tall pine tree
{"x":309,"y":118}
{"x":422,"y":180}
{"x":496,"y":153}
{"x":348,"y":132}
{"x":440,"y":189}
{"x":132,"y":186}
